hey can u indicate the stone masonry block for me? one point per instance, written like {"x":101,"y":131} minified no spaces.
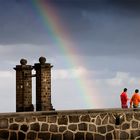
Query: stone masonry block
{"x":134,"y":124}
{"x":110,"y":128}
{"x":72,"y":127}
{"x":44,"y":127}
{"x":63,"y":120}
{"x":11,"y":120}
{"x":92,"y":128}
{"x":93,"y":120}
{"x":30,"y":119}
{"x":24,"y":127}
{"x":137,"y":116}
{"x":89,"y":136}
{"x":3,"y":123}
{"x":105,"y":120}
{"x":68,"y":135}
{"x":73,"y":119}
{"x":111,"y":119}
{"x":42,"y":119}
{"x":44,"y":136}
{"x":14,"y":126}
{"x":13,"y":136}
{"x":101,"y":129}
{"x":98,"y":121}
{"x":103,"y":115}
{"x":99,"y":137}
{"x":129,"y":117}
{"x":19,"y":119}
{"x":82,"y":126}
{"x":35,"y":126}
{"x":79,"y":136}
{"x":4,"y":134}
{"x":125,"y":126}
{"x":93,"y":115}
{"x":56,"y":137}
{"x":21,"y":136}
{"x":31,"y":135}
{"x":109,"y":136}
{"x":53,"y":128}
{"x":135,"y":133}
{"x":124,"y":135}
{"x":52,"y":119}
{"x":62,"y":128}
{"x":85,"y":118}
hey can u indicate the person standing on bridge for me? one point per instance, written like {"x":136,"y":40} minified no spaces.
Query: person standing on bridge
{"x":124,"y":98}
{"x":135,"y":100}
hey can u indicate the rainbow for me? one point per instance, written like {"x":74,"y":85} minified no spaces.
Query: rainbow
{"x":50,"y":19}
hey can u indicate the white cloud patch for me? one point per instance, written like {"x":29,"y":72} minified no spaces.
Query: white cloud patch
{"x":16,"y":51}
{"x":118,"y":80}
{"x":7,"y":91}
{"x":69,"y":73}
{"x":6,"y":74}
{"x":123,"y":78}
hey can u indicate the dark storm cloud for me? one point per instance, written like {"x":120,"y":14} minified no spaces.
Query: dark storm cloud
{"x":18,"y":24}
{"x":99,"y":27}
{"x":106,"y":36}
{"x":108,"y":28}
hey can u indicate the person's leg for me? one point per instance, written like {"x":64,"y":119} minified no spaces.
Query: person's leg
{"x":135,"y":107}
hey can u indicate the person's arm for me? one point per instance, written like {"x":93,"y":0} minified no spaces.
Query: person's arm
{"x":127,"y":98}
{"x":139,"y":98}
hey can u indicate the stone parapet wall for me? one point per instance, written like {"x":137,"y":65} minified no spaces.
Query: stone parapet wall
{"x":103,"y":124}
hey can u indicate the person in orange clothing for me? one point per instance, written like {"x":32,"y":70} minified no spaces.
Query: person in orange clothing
{"x":135,"y":100}
{"x":124,"y":98}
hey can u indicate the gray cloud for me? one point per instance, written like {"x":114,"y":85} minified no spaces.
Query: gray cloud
{"x":106,"y":36}
{"x":98,"y":28}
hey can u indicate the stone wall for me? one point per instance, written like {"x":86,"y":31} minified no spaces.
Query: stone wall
{"x":104,"y":124}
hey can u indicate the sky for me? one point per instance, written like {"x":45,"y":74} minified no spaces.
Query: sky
{"x":93,"y":46}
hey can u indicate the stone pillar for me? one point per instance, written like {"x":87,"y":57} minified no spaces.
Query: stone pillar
{"x":43,"y":85}
{"x":23,"y":86}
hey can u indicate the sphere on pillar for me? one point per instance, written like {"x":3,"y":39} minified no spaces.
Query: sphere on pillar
{"x":42,"y":60}
{"x":23,"y":61}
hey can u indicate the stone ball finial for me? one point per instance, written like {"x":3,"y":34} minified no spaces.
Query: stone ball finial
{"x":23,"y":61}
{"x":42,"y":60}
